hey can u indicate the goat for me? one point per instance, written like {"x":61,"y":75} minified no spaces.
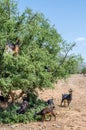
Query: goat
{"x":46,"y":111}
{"x":67,"y":98}
{"x":16,"y":48}
{"x":12,"y":48}
{"x":50,"y":102}
{"x":23,"y":107}
{"x":4,"y":99}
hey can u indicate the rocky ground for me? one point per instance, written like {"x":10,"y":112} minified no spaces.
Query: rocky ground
{"x":68,"y":118}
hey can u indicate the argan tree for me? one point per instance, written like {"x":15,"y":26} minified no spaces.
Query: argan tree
{"x":40,"y":61}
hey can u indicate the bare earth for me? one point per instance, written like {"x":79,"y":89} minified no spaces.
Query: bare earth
{"x":73,"y":118}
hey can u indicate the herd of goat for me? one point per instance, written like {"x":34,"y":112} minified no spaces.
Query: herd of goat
{"x":66,"y":99}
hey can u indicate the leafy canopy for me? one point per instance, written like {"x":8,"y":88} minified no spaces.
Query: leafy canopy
{"x":43,"y":56}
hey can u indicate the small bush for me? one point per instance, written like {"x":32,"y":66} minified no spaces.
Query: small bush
{"x":9,"y":115}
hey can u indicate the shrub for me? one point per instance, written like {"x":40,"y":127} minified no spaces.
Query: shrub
{"x":9,"y":115}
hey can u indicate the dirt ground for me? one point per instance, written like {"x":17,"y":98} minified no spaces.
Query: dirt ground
{"x":68,"y":118}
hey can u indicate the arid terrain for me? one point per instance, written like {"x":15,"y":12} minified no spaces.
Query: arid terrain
{"x":68,"y":118}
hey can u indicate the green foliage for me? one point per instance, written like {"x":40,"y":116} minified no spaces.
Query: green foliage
{"x":69,"y":63}
{"x":40,"y":45}
{"x":9,"y":115}
{"x":72,"y":63}
{"x":83,"y":71}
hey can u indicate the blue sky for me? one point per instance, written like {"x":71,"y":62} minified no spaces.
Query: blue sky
{"x":68,"y":16}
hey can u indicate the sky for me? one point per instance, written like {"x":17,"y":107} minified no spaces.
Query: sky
{"x":68,"y":17}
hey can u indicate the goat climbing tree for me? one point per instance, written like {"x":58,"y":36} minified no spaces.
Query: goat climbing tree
{"x":40,"y":54}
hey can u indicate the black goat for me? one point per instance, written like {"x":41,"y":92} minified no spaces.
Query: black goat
{"x":4,"y":99}
{"x":67,"y":98}
{"x":46,"y":111}
{"x":23,"y":107}
{"x":50,"y":102}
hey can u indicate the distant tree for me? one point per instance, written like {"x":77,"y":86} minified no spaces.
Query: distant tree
{"x":83,"y":71}
{"x":68,"y":63}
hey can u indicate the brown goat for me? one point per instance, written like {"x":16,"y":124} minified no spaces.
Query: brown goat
{"x":46,"y":111}
{"x":16,"y":47}
{"x":13,"y":48}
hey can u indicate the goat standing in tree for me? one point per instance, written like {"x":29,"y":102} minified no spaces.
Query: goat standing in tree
{"x":13,"y":48}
